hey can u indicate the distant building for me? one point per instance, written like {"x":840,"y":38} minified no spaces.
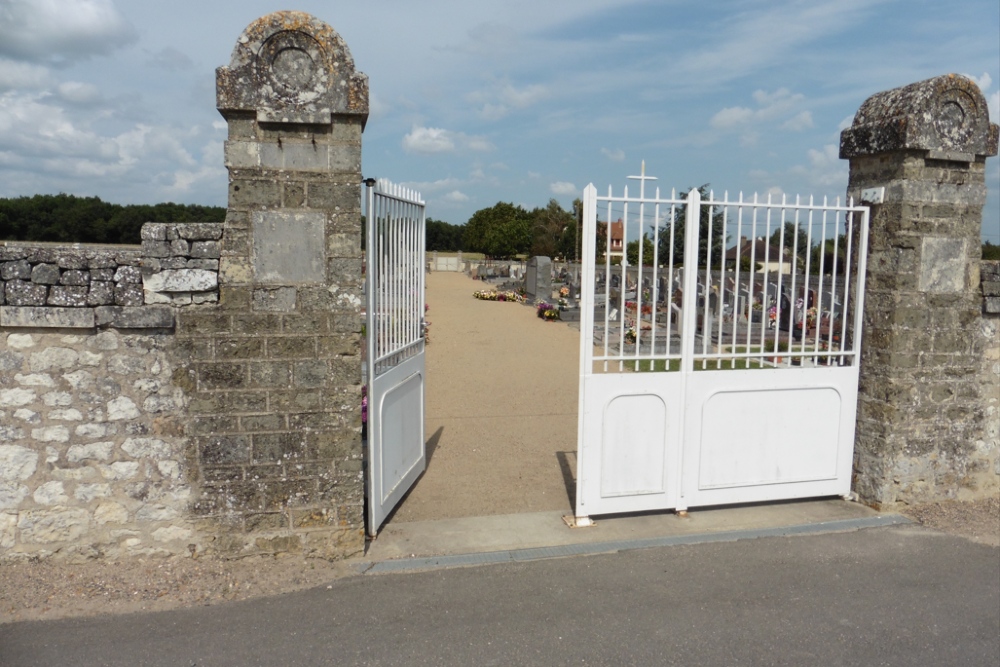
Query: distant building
{"x":616,"y":244}
{"x":764,"y":255}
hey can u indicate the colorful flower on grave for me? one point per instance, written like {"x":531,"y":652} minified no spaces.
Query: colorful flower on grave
{"x":564,"y":292}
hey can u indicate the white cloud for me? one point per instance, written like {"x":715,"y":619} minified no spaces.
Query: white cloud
{"x":78,"y":93}
{"x":617,"y":155}
{"x":428,"y":140}
{"x":562,"y":188}
{"x":456,"y":197}
{"x":505,"y":97}
{"x":432,"y":186}
{"x":731,"y":117}
{"x":802,"y":121}
{"x":61,"y":31}
{"x":984,"y":82}
{"x":19,"y":75}
{"x":994,"y":106}
{"x":476,"y":143}
{"x":825,"y":167}
{"x":171,"y":59}
{"x":770,"y":105}
{"x":437,"y":140}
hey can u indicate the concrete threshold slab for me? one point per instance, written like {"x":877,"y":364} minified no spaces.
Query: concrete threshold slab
{"x":519,"y":537}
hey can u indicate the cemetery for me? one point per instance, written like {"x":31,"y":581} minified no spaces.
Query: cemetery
{"x":202,"y":393}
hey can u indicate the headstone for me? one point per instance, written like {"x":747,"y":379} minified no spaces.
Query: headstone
{"x":538,"y":279}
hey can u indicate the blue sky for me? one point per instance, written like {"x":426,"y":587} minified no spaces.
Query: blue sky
{"x":474,"y":103}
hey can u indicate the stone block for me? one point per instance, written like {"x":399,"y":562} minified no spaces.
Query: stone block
{"x":156,"y":249}
{"x":102,"y":293}
{"x":53,"y":525}
{"x":180,"y":247}
{"x":242,"y":154}
{"x":239,"y":348}
{"x":68,"y":297}
{"x":280,"y":300}
{"x":24,"y":293}
{"x":16,"y":270}
{"x":182,"y":280}
{"x":223,"y":376}
{"x":47,"y":318}
{"x":128,"y":274}
{"x":200,"y":231}
{"x":205,"y":249}
{"x":17,"y":463}
{"x":224,"y":450}
{"x":245,"y":193}
{"x":153,"y":231}
{"x":138,"y":317}
{"x":75,"y":277}
{"x":128,"y":295}
{"x":293,"y":195}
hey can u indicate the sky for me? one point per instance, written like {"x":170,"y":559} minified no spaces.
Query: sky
{"x":474,"y":103}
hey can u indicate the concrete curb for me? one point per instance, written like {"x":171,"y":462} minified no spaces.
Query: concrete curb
{"x":539,"y":553}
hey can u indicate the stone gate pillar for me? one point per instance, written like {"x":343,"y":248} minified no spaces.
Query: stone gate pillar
{"x":275,"y":368}
{"x":920,"y":416}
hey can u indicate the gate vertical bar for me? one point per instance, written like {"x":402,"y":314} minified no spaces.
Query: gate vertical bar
{"x":587,"y":336}
{"x":689,"y":302}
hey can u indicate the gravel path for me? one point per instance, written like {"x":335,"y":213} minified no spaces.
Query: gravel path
{"x":501,"y":411}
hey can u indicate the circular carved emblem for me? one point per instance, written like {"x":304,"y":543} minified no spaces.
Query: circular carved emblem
{"x":291,"y":62}
{"x":954,"y":118}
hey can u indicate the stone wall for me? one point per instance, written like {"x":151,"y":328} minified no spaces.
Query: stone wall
{"x":92,"y":461}
{"x":202,"y":393}
{"x":93,"y":458}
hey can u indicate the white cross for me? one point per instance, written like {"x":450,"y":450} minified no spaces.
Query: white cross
{"x":642,"y":178}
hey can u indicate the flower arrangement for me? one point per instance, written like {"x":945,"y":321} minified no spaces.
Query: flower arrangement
{"x":630,"y":334}
{"x":493,"y":295}
{"x":564,"y":292}
{"x":547,"y":311}
{"x":647,"y":309}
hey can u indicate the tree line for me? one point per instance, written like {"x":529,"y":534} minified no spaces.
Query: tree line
{"x":506,"y":230}
{"x":66,"y":218}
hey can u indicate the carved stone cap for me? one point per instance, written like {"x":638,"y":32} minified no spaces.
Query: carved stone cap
{"x":946,"y":115}
{"x":291,"y":67}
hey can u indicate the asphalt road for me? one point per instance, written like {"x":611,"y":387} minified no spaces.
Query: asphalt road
{"x":887,"y":596}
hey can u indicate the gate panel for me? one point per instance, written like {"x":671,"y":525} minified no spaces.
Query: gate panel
{"x":723,"y":368}
{"x":395,"y":346}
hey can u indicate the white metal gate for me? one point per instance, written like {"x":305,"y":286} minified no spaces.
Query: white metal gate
{"x":722,"y":366}
{"x":395,"y":345}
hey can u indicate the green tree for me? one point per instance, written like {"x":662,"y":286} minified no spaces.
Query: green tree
{"x":801,"y":241}
{"x":549,"y":227}
{"x":443,"y":236}
{"x":66,"y":218}
{"x":829,"y":256}
{"x":991,"y":250}
{"x":499,"y":232}
{"x":713,"y":223}
{"x":632,"y":251}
